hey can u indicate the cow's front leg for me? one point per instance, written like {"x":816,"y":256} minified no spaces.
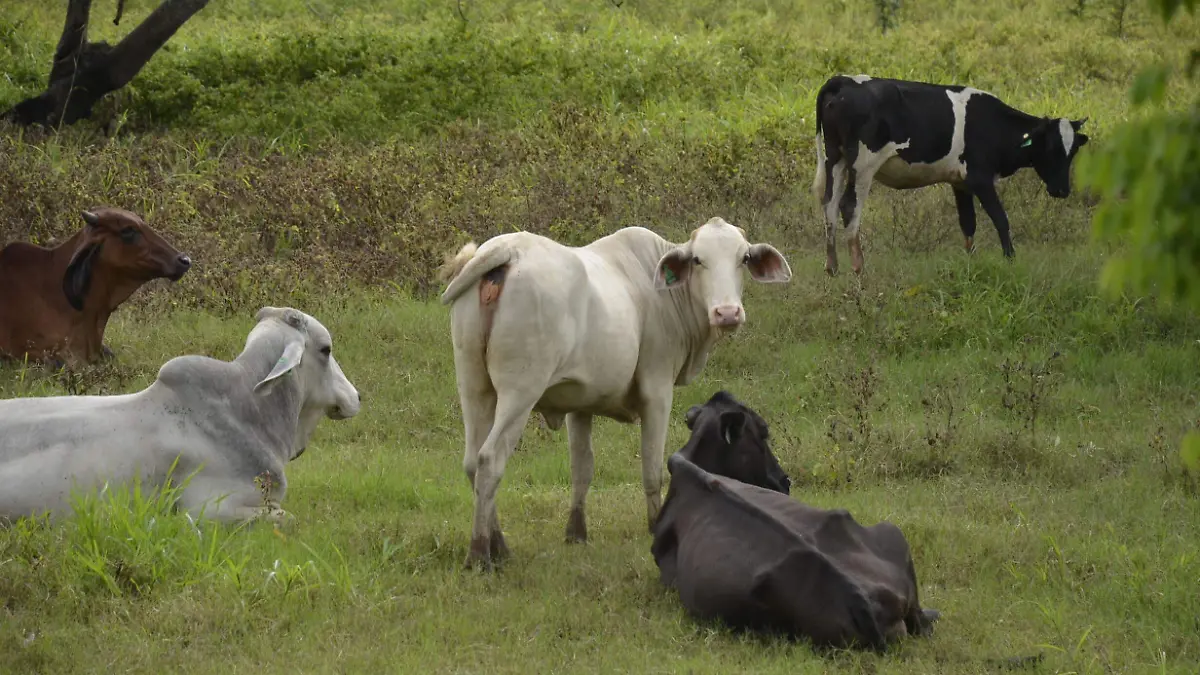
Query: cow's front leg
{"x":990,"y":200}
{"x":579,"y":437}
{"x":237,"y":510}
{"x":655,"y":414}
{"x":965,"y":202}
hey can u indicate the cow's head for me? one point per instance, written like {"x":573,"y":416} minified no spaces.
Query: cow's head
{"x":1051,"y":147}
{"x":120,"y":246}
{"x":306,"y":354}
{"x":711,"y":263}
{"x":729,"y":439}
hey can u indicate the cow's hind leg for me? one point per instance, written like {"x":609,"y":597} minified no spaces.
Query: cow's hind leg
{"x":579,"y":435}
{"x":965,"y":202}
{"x":487,"y":540}
{"x":835,"y":186}
{"x":853,"y":213}
{"x":479,"y":409}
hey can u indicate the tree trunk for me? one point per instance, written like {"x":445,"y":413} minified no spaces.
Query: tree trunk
{"x":84,"y":72}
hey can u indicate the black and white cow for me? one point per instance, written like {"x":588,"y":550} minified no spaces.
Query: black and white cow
{"x":913,"y":134}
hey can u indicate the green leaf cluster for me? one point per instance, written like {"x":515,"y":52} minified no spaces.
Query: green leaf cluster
{"x":1148,"y":179}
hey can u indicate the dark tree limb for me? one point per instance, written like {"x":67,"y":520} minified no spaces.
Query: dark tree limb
{"x":85,"y":72}
{"x":120,"y":11}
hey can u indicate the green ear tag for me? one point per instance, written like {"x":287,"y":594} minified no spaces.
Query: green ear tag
{"x":1028,"y":141}
{"x":669,"y":275}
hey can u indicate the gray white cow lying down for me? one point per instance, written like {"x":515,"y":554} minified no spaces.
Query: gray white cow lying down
{"x":747,"y":554}
{"x":226,"y":422}
{"x":604,"y":329}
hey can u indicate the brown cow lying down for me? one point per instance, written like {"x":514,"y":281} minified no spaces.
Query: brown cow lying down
{"x":55,"y":303}
{"x":739,"y":549}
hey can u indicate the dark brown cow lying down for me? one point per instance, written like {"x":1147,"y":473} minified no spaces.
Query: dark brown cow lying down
{"x":55,"y":303}
{"x":757,"y":559}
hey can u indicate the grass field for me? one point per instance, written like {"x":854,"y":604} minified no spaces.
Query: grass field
{"x":1019,"y":426}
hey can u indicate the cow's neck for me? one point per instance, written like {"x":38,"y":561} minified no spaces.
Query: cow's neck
{"x":694,"y":332}
{"x":85,"y":330}
{"x":684,"y":322}
{"x":275,"y":414}
{"x":1017,"y":124}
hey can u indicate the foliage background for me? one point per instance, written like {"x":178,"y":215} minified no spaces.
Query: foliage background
{"x":1019,"y":425}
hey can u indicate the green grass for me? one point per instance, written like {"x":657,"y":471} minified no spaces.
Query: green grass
{"x":325,"y":155}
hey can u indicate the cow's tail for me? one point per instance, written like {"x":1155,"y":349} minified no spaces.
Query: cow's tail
{"x":468,"y":267}
{"x":826,"y":98}
{"x":826,"y":104}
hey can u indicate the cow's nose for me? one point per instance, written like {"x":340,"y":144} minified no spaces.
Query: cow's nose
{"x":183,"y":261}
{"x":727,"y":315}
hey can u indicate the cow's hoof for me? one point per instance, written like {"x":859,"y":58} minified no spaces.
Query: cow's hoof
{"x":930,"y":615}
{"x":280,"y":518}
{"x":969,"y":245}
{"x":106,"y":353}
{"x":479,"y":557}
{"x":497,"y":547}
{"x":478,"y":563}
{"x":576,"y":528}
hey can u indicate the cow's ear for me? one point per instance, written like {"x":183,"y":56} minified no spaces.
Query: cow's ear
{"x":674,"y":268}
{"x":1080,"y":140}
{"x":733,"y":425}
{"x":690,"y":417}
{"x":767,"y":264}
{"x":1078,"y":124}
{"x":292,"y":354}
{"x":78,"y":277}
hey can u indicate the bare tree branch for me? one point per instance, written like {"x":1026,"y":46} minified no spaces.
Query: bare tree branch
{"x":72,"y":42}
{"x":85,"y":72}
{"x":120,"y":11}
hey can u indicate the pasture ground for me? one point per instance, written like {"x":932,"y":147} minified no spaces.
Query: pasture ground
{"x":1019,"y":426}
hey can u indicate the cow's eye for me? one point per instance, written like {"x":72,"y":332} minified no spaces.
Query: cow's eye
{"x":696,"y":260}
{"x":326,"y":351}
{"x":129,"y":235}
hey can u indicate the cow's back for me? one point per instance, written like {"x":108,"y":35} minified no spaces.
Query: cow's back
{"x":568,"y":320}
{"x":735,"y":561}
{"x":48,"y":446}
{"x":32,"y":305}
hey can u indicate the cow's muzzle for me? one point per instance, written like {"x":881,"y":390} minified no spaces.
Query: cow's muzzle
{"x":344,"y":411}
{"x":727,"y":317}
{"x":180,"y":267}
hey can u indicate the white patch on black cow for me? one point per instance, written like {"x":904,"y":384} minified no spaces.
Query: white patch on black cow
{"x":861,"y":78}
{"x":866,"y":168}
{"x":899,"y":174}
{"x":1068,"y":135}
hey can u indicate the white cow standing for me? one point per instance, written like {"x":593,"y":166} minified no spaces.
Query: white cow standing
{"x":606,"y":329}
{"x":226,"y":422}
